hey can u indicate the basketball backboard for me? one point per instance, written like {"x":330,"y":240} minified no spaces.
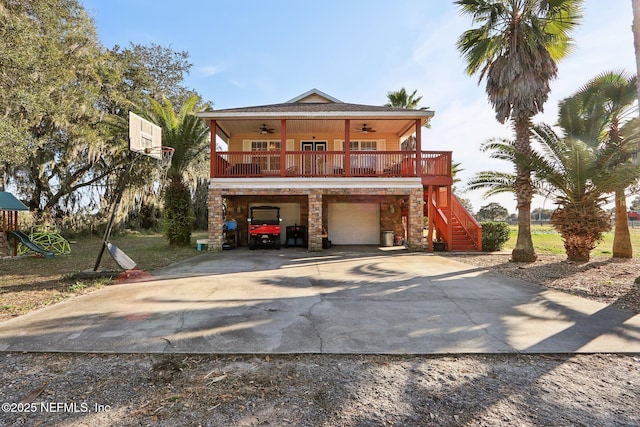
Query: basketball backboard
{"x":144,"y":136}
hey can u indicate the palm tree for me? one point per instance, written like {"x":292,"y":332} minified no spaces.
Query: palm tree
{"x":455,"y":170}
{"x":401,"y":99}
{"x":515,"y":49}
{"x":636,"y":38}
{"x":594,"y":115}
{"x":574,"y":174}
{"x":577,"y":176}
{"x":188,"y":136}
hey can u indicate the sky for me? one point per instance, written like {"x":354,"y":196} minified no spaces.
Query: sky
{"x":257,"y":52}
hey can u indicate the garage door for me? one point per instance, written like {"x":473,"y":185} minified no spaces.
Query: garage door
{"x":290,"y":214}
{"x":354,"y":223}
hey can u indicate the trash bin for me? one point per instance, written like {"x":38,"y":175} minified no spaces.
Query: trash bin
{"x":296,"y":235}
{"x":202,"y":244}
{"x":387,"y":238}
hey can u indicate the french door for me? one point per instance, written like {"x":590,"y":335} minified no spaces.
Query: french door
{"x":314,"y":164}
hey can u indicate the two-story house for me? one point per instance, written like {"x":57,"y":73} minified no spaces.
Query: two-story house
{"x":337,"y":169}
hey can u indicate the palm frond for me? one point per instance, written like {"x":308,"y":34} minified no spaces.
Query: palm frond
{"x":493,"y":182}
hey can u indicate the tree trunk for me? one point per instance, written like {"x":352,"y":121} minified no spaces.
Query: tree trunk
{"x":523,"y":252}
{"x":622,"y":238}
{"x":636,"y":38}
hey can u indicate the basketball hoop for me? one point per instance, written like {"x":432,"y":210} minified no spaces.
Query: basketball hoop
{"x":163,"y":154}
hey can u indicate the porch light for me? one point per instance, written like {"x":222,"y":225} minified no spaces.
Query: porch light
{"x":392,"y":208}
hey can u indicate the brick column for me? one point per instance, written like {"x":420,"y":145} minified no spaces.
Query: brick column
{"x":216,"y":220}
{"x":415,"y":224}
{"x":315,"y":221}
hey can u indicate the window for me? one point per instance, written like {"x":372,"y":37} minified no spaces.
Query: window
{"x":270,"y":160}
{"x":265,"y":145}
{"x":368,"y":145}
{"x":362,"y":145}
{"x":363,"y":162}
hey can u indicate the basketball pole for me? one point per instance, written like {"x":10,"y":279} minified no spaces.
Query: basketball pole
{"x":123,"y":180}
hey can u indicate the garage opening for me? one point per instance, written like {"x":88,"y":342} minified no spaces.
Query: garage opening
{"x":290,"y":214}
{"x":354,"y":223}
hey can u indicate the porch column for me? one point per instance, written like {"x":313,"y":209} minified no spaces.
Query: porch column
{"x":315,"y":221}
{"x":347,"y":147}
{"x":283,"y":147}
{"x":449,"y":218}
{"x":414,"y":220}
{"x":431,"y":216}
{"x":215,"y":220}
{"x":418,"y":170}
{"x":213,"y":159}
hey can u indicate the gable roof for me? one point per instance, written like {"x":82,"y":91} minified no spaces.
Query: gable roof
{"x":305,"y":111}
{"x":317,"y":104}
{"x":314,"y":95}
{"x":9,"y":202}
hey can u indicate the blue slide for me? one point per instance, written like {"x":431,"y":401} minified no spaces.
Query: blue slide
{"x":28,"y":243}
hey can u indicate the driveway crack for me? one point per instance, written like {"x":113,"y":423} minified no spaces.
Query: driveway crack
{"x":485,"y":330}
{"x":309,"y":315}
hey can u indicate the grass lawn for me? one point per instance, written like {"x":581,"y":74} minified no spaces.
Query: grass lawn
{"x":546,"y":240}
{"x":30,"y":282}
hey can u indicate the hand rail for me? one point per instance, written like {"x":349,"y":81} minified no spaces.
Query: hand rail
{"x":440,"y":221}
{"x":331,"y":163}
{"x":470,"y":225}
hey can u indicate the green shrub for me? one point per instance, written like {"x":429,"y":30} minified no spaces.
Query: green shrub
{"x":177,"y":217}
{"x":494,"y":235}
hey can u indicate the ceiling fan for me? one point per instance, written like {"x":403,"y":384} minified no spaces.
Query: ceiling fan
{"x":264,"y":130}
{"x":364,"y":129}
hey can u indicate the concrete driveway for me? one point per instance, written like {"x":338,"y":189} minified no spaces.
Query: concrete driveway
{"x":337,"y":301}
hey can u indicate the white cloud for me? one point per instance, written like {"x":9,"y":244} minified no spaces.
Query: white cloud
{"x":463,"y":117}
{"x":209,"y":70}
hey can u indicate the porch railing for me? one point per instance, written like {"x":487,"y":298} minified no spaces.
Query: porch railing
{"x":245,"y":164}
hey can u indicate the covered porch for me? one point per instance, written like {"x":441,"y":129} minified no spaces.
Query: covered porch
{"x":434,"y":167}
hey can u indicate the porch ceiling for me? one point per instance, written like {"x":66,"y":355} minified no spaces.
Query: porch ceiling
{"x":399,"y":127}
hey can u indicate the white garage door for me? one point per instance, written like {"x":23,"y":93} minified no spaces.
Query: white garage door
{"x":354,"y":223}
{"x":290,"y":214}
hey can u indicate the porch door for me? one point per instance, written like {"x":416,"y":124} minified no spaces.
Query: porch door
{"x":314,"y":164}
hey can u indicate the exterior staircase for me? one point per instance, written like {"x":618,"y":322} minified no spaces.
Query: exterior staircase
{"x":461,"y":240}
{"x":465,"y":232}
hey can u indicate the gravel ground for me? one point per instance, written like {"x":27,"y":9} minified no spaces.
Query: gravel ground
{"x":608,"y":280}
{"x":356,"y":390}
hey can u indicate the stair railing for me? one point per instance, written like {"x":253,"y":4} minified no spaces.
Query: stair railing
{"x":440,"y":220}
{"x":470,"y":225}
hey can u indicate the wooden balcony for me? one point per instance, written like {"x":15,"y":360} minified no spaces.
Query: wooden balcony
{"x":434,"y":167}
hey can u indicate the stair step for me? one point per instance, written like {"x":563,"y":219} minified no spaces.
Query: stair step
{"x":460,"y":239}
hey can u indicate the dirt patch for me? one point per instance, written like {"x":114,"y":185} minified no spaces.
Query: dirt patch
{"x":344,"y":390}
{"x":320,"y":390}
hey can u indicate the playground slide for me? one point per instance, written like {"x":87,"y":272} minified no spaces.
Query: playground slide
{"x":28,"y":243}
{"x":120,"y":257}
